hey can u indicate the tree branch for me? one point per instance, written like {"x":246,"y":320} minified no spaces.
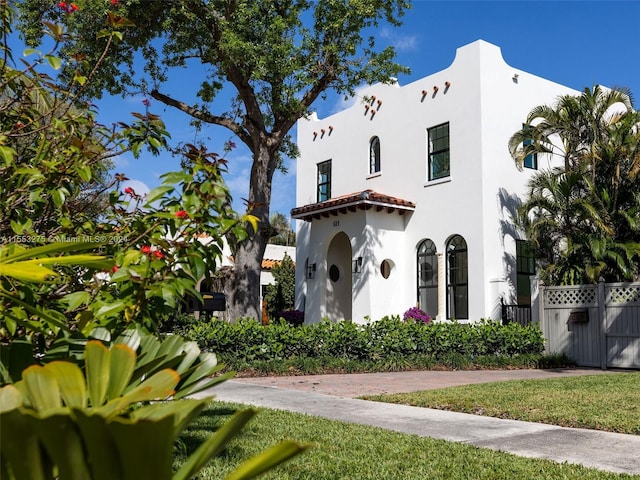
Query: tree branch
{"x":203,"y":116}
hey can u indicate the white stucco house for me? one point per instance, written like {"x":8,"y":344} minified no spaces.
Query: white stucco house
{"x":404,"y":198}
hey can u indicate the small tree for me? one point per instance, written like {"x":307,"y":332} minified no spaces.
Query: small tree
{"x":281,"y":295}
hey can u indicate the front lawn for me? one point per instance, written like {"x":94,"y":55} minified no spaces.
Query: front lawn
{"x":602,"y":402}
{"x":349,"y":451}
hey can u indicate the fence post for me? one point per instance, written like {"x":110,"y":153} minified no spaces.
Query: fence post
{"x":602,"y":322}
{"x":542,"y":315}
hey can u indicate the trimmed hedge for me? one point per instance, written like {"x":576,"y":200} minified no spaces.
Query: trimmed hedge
{"x":390,"y":337}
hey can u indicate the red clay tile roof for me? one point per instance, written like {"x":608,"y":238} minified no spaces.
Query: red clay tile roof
{"x":352,"y":202}
{"x":268,"y":263}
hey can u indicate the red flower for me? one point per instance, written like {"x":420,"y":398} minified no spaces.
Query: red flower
{"x":115,"y":268}
{"x":114,"y":2}
{"x":146,"y":249}
{"x":182,"y":214}
{"x":70,"y":8}
{"x":129,"y":191}
{"x":158,"y":254}
{"x":20,"y":125}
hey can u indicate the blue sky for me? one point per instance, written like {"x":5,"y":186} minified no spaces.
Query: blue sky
{"x":575,"y":43}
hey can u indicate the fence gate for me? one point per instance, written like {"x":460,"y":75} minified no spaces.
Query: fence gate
{"x":596,"y":325}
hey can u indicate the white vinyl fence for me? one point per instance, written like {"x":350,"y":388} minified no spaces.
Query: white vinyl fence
{"x":595,"y":325}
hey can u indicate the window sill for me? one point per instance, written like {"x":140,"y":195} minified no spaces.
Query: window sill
{"x":374,"y":175}
{"x":439,"y":181}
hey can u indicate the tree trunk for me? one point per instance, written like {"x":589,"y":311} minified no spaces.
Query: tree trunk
{"x":243,"y":288}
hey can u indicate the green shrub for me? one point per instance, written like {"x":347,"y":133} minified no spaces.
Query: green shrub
{"x":388,"y":344}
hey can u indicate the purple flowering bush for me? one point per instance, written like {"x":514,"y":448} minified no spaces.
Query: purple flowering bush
{"x":417,"y":314}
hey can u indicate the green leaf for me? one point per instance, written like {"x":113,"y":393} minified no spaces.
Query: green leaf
{"x":73,"y":387}
{"x":63,"y":443}
{"x":158,"y":192}
{"x":215,"y":444}
{"x":267,"y":460}
{"x":42,"y":388}
{"x":158,"y":387}
{"x":123,"y":362}
{"x":99,"y":445}
{"x":75,"y":299}
{"x":97,"y":358}
{"x":50,"y":249}
{"x":10,"y":398}
{"x":23,"y":452}
{"x":55,"y":62}
{"x":27,"y":272}
{"x":182,"y":412}
{"x":136,"y":440}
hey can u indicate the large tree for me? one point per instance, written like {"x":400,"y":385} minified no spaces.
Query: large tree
{"x":584,"y":218}
{"x":276,"y":56}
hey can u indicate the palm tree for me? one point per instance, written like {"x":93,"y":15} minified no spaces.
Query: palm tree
{"x":584,"y":219}
{"x":572,"y":127}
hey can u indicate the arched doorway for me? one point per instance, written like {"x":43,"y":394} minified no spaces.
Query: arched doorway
{"x":339,"y":281}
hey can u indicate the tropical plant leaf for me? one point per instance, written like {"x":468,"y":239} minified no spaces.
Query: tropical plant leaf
{"x":97,"y":360}
{"x":42,"y":388}
{"x":267,"y":460}
{"x":215,"y":444}
{"x":73,"y":387}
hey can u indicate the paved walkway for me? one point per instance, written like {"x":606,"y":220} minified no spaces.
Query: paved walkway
{"x":328,"y":396}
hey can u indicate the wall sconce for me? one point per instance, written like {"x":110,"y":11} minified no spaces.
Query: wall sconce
{"x":373,"y":99}
{"x":315,"y":134}
{"x":366,"y":109}
{"x":379,"y":102}
{"x":330,"y":129}
{"x":447,"y":85}
{"x":515,"y":78}
{"x":311,"y":270}
{"x":357,"y":265}
{"x":435,"y":89}
{"x":373,"y":113}
{"x":323,"y":131}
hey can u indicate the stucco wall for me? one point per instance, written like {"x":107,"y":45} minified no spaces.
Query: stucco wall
{"x":484,"y":105}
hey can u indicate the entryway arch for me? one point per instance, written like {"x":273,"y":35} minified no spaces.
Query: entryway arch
{"x":339,"y":280}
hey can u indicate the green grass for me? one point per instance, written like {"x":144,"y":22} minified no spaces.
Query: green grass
{"x":603,"y":402}
{"x":348,"y":451}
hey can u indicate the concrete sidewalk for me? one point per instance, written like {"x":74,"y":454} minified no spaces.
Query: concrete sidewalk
{"x":606,"y":451}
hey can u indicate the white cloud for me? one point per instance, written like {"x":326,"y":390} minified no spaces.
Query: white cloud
{"x":400,"y":42}
{"x":138,"y":186}
{"x":344,"y":103}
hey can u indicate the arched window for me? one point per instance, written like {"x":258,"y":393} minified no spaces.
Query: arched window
{"x":374,"y":155}
{"x":457,"y":279}
{"x":427,"y":270}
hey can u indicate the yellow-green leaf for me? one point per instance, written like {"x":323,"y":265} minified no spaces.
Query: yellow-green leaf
{"x":97,"y":358}
{"x":73,"y":387}
{"x":10,"y":398}
{"x":27,"y":272}
{"x":123,"y":362}
{"x":42,"y":388}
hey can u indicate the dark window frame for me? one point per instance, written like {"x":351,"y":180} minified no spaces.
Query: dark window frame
{"x":427,"y":251}
{"x":324,"y":181}
{"x":457,"y":278}
{"x":439,"y":143}
{"x":374,"y":155}
{"x":525,"y":268}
